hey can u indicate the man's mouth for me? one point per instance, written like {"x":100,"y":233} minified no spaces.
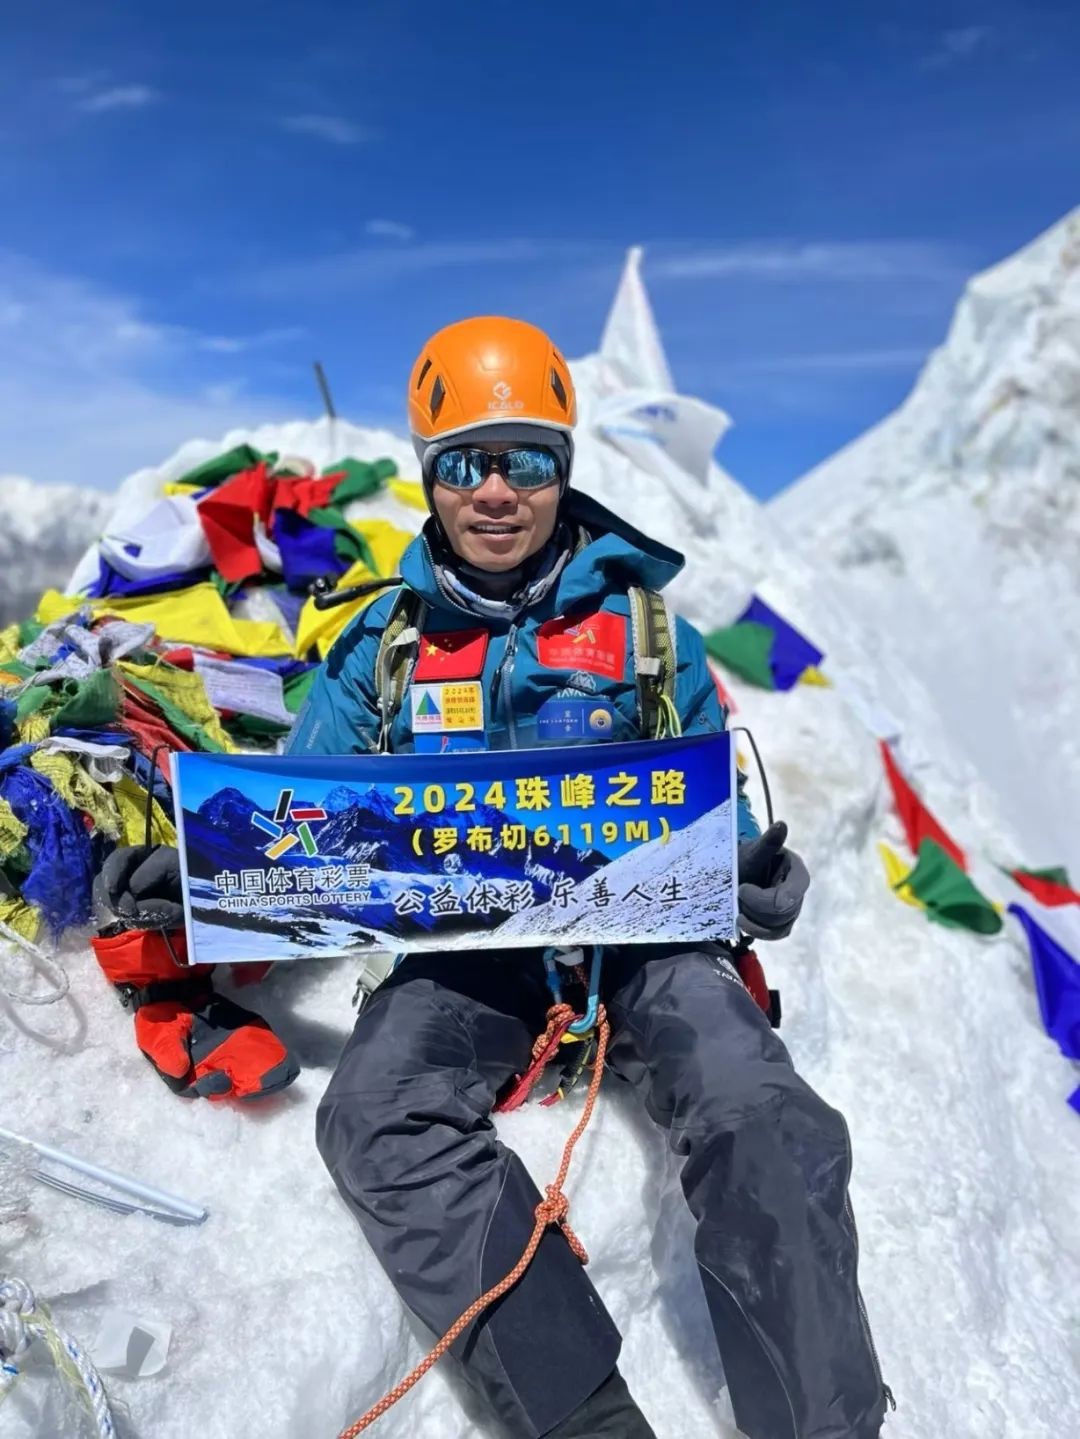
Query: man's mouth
{"x":496,"y":529}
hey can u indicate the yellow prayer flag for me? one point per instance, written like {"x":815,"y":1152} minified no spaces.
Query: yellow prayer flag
{"x":130,"y":800}
{"x":320,"y":628}
{"x":23,"y":918}
{"x":896,"y":872}
{"x":811,"y":675}
{"x":409,"y":492}
{"x":194,"y":616}
{"x":187,"y":692}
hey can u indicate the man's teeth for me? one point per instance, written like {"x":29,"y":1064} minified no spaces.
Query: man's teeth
{"x":497,"y":529}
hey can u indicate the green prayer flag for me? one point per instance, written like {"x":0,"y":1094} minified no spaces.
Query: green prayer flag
{"x":745,"y":649}
{"x":28,"y":632}
{"x":253,"y":730}
{"x":939,"y":883}
{"x":30,"y":701}
{"x":216,"y":471}
{"x":349,"y":544}
{"x":179,"y":722}
{"x":296,"y":689}
{"x":88,"y":703}
{"x":361,"y":478}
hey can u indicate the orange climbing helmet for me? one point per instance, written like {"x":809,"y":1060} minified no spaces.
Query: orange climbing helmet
{"x":488,"y":371}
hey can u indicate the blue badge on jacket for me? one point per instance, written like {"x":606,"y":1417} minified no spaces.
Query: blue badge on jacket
{"x":575,"y":719}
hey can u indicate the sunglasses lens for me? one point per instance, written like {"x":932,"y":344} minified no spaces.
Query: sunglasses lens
{"x":460,"y":469}
{"x":523,"y":469}
{"x":529,"y":469}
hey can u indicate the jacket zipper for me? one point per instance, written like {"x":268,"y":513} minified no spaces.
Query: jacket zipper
{"x":504,"y":683}
{"x":863,"y":1317}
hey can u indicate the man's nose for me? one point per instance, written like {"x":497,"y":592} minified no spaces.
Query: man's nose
{"x":495,"y":490}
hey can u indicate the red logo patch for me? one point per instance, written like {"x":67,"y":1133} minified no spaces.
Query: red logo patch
{"x":458,"y":655}
{"x":596,"y":643}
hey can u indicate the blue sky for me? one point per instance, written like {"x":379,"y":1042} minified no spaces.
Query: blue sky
{"x":198,"y":199}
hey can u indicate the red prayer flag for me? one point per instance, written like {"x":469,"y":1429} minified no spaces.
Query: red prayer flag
{"x":458,"y":655}
{"x":228,"y":516}
{"x":1046,"y":891}
{"x":722,"y":693}
{"x":305,"y":495}
{"x":918,"y":822}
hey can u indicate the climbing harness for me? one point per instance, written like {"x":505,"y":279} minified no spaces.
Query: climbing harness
{"x":22,"y":1320}
{"x":552,"y":1209}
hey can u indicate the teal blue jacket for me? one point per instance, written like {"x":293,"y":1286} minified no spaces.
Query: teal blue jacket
{"x":561,"y":672}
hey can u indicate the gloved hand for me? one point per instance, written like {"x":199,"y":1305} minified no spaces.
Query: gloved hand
{"x":140,"y":885}
{"x":199,"y":1042}
{"x":772,"y":884}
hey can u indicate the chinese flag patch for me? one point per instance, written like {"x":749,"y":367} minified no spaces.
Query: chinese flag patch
{"x":458,"y":655}
{"x":596,"y":643}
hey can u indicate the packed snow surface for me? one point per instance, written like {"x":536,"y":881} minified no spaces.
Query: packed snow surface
{"x":967,"y":1160}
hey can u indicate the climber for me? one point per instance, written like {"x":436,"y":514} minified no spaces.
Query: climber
{"x":511,"y":564}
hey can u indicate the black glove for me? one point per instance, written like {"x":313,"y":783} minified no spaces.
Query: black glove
{"x":772,"y":884}
{"x":140,"y":885}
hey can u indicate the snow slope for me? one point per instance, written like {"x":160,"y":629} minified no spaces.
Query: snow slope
{"x":967,"y":1168}
{"x":43,"y":530}
{"x":954,"y":525}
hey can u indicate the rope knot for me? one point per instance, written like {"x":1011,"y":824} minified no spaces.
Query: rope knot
{"x":17,"y":1303}
{"x":555,"y":1208}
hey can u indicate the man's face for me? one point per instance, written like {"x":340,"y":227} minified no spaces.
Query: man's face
{"x":496,"y":527}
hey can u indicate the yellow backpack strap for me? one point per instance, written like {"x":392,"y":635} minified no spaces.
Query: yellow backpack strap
{"x":655,"y":662}
{"x":398,"y":648}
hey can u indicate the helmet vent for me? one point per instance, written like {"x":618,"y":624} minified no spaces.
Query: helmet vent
{"x":438,"y":394}
{"x":559,"y":388}
{"x":423,"y":373}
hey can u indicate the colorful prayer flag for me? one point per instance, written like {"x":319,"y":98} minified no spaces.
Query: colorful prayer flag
{"x":1057,"y":984}
{"x":764,"y":649}
{"x":939,"y":884}
{"x":1049,"y":886}
{"x":919,"y":824}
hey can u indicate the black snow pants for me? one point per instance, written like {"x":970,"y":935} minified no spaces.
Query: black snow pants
{"x":404,"y":1129}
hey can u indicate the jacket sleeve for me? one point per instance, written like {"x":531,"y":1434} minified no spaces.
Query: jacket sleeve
{"x":341,"y":713}
{"x":700,"y":710}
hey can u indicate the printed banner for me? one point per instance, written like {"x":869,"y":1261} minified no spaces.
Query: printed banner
{"x":289,"y":857}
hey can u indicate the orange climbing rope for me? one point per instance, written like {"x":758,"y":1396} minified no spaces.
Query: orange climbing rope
{"x":552,"y":1210}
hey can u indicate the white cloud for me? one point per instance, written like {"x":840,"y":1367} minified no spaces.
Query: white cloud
{"x":241,"y":344}
{"x":955,"y":46}
{"x":332,"y":128}
{"x":90,"y":389}
{"x":839,"y":261}
{"x":382,"y":265}
{"x":835,"y":362}
{"x":118,"y":97}
{"x":389,"y":230}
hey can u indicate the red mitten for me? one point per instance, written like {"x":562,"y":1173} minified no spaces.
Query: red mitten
{"x":199,"y":1042}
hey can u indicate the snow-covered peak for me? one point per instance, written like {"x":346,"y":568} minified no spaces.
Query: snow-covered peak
{"x":954,"y":527}
{"x":44,"y":529}
{"x":994,"y":411}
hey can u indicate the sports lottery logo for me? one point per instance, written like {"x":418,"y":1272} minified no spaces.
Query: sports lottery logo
{"x":287,"y":813}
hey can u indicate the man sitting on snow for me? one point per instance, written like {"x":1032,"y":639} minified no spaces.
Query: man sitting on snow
{"x":509,"y":560}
